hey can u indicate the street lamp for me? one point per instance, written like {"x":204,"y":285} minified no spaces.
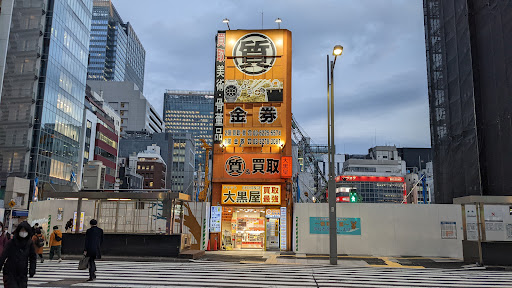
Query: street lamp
{"x":226,"y":20}
{"x":331,"y":185}
{"x":278,"y":21}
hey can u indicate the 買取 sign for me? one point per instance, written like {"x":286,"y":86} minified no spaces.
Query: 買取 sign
{"x":344,"y":226}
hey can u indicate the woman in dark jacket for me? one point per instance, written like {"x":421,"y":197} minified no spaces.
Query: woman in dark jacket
{"x":16,"y":256}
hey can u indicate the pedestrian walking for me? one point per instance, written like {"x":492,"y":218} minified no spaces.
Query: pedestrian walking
{"x":92,"y":249}
{"x":69,"y":225}
{"x":6,"y":233}
{"x":36,"y":226}
{"x":4,"y":237}
{"x":56,"y":243}
{"x":16,"y":257}
{"x":38,"y":240}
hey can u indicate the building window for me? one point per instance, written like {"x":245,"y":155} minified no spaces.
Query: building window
{"x":121,"y":112}
{"x":138,"y":167}
{"x":152,"y":167}
{"x":151,"y":184}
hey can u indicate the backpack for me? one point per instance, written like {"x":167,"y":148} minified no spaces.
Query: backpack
{"x":40,"y":241}
{"x":57,"y":237}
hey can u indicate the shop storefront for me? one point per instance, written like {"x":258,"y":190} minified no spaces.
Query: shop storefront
{"x":250,"y":228}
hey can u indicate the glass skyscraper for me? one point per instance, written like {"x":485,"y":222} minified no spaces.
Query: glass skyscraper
{"x":190,"y":112}
{"x":116,"y":53}
{"x":44,"y":90}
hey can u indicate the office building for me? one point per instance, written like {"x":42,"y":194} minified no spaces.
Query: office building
{"x":137,"y":114}
{"x":468,"y":59}
{"x":416,"y":159}
{"x":100,"y":136}
{"x":380,"y":161}
{"x":190,"y":112}
{"x":151,"y":166}
{"x":41,"y":108}
{"x":116,"y":53}
{"x":128,"y":177}
{"x":6,"y":7}
{"x":183,"y":160}
{"x":371,"y":189}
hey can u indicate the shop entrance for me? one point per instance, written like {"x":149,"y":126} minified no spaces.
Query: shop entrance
{"x":243,"y":228}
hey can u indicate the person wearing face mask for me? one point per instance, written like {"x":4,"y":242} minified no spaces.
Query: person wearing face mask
{"x":16,"y":257}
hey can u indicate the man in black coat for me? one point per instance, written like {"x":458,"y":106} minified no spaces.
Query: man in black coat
{"x":93,"y":241}
{"x":16,"y":257}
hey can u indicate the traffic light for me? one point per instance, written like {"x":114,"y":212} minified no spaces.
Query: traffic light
{"x":353,"y":197}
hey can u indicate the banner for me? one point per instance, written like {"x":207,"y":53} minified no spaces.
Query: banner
{"x":345,"y":226}
{"x":252,"y":166}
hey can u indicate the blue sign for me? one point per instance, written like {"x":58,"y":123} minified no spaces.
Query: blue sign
{"x":344,"y":226}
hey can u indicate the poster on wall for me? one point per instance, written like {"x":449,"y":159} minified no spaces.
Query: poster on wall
{"x":216,"y":216}
{"x":344,"y":226}
{"x":471,"y":226}
{"x":448,"y":230}
{"x":283,"y":233}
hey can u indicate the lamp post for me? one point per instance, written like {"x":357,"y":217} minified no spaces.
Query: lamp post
{"x":226,"y":20}
{"x":279,"y":21}
{"x":331,"y":185}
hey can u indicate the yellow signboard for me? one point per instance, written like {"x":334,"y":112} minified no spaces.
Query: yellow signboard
{"x":251,"y":194}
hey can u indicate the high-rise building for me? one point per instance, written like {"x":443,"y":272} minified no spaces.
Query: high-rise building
{"x":100,"y":136}
{"x":5,"y":17}
{"x":190,"y":112}
{"x":176,"y":149}
{"x":116,"y":53}
{"x":41,"y":108}
{"x":137,"y":114}
{"x":469,"y":62}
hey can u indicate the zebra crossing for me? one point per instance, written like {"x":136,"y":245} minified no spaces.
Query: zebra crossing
{"x":231,"y":274}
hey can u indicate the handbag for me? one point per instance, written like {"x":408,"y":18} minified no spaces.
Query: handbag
{"x":83,"y":263}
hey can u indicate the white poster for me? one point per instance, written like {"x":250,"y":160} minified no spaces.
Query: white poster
{"x":448,"y":230}
{"x":283,"y":229}
{"x":471,"y":226}
{"x":216,"y":217}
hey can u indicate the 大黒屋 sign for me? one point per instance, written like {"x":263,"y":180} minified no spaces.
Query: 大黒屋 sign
{"x":251,"y":194}
{"x":344,"y":226}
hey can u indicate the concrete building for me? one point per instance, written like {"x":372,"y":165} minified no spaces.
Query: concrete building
{"x":469,"y":86}
{"x":137,"y":114}
{"x":190,"y":112}
{"x":183,"y":167}
{"x":100,"y":135}
{"x":94,"y":176}
{"x":116,"y":53}
{"x":151,"y":166}
{"x":6,"y":7}
{"x":128,"y":177}
{"x":41,"y":108}
{"x":133,"y":142}
{"x":380,"y":161}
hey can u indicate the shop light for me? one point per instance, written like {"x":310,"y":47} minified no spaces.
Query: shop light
{"x":70,"y":198}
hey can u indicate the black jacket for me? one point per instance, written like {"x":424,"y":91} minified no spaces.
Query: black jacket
{"x":93,"y":241}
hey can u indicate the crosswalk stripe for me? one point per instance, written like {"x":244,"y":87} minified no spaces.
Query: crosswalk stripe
{"x":231,"y":274}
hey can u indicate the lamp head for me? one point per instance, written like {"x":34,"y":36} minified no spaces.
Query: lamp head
{"x":338,"y":50}
{"x":278,"y":20}
{"x":226,"y":20}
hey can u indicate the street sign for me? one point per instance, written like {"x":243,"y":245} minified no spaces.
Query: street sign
{"x":12,"y":204}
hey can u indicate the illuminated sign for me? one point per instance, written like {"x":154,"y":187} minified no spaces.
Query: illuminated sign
{"x":369,"y":179}
{"x":286,"y":167}
{"x":273,"y":213}
{"x":251,"y":194}
{"x":252,"y":137}
{"x":252,"y":166}
{"x":220,"y":61}
{"x":254,"y":54}
{"x":253,"y":90}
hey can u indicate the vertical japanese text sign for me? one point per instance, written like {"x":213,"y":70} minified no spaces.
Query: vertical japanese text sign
{"x":220,"y":60}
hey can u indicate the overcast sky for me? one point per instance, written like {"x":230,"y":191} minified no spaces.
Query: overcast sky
{"x":380,"y":81}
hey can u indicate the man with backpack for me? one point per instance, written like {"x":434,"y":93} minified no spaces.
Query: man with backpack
{"x":56,"y":243}
{"x":39,"y":240}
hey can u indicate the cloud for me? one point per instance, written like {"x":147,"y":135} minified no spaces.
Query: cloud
{"x":380,"y":81}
